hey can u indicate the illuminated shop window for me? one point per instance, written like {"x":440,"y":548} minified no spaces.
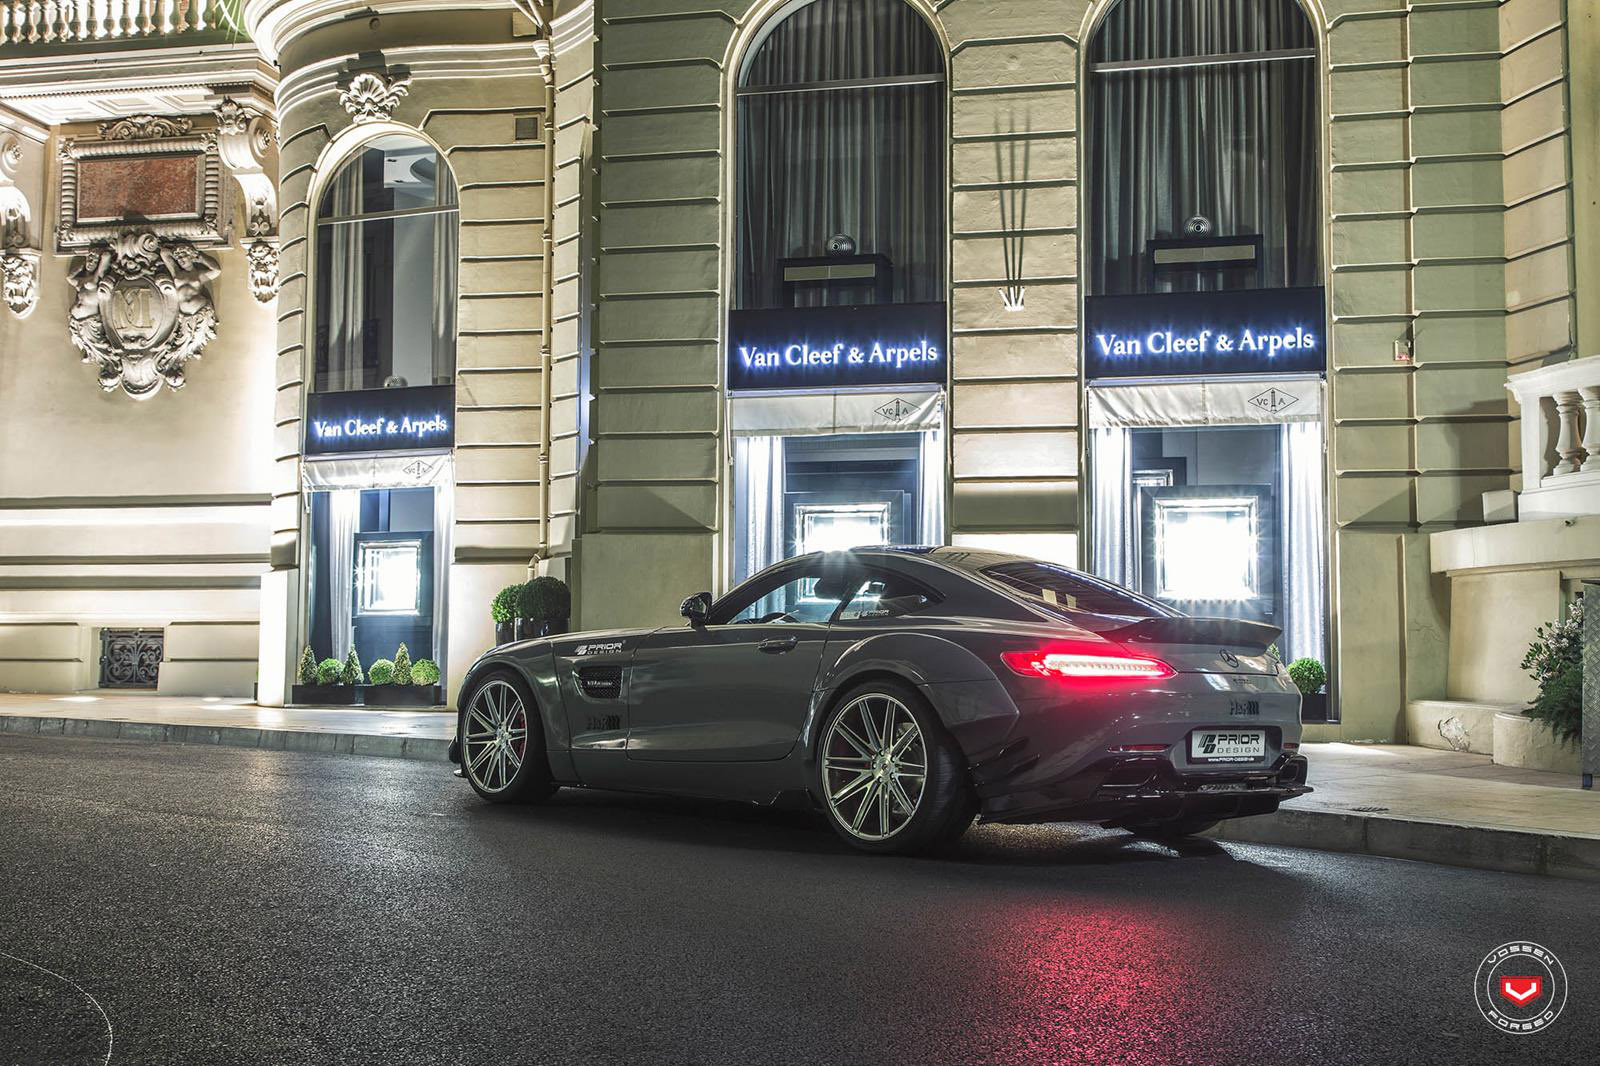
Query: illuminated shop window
{"x":391,"y":577}
{"x":837,"y":527}
{"x":1207,"y":548}
{"x":386,"y":255}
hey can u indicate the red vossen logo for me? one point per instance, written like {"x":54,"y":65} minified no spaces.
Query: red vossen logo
{"x":1521,"y":990}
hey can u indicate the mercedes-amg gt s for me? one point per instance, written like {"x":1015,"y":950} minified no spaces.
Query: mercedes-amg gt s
{"x":904,"y":691}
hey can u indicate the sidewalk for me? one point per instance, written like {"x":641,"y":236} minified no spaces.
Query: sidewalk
{"x":112,"y":715}
{"x":1447,"y":807}
{"x":1377,"y":799}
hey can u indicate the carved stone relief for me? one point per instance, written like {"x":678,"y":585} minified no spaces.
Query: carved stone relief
{"x":19,"y":261}
{"x":372,"y":97}
{"x":143,"y":309}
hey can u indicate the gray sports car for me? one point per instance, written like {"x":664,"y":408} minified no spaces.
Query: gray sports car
{"x":904,"y":691}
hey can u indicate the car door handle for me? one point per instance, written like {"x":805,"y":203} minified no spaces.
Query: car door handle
{"x":778,"y":645}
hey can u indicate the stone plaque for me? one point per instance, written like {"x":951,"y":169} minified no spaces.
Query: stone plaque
{"x":117,"y":188}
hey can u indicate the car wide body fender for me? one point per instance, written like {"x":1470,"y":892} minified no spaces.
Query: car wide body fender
{"x":970,"y":701}
{"x":533,"y":661}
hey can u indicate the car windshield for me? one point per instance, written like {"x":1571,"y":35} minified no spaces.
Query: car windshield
{"x":1063,"y":589}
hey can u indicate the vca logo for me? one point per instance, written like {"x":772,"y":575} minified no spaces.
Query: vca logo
{"x":897,"y":410}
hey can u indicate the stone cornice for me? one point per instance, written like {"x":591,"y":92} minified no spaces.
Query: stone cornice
{"x":514,"y":59}
{"x":274,"y":23}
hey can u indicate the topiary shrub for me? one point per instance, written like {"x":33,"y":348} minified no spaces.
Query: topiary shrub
{"x":1308,"y":676}
{"x":402,"y":667}
{"x":546,"y":599}
{"x":425,"y":672}
{"x":329,"y":672}
{"x":381,"y":673}
{"x":352,"y":669}
{"x":1555,"y":661}
{"x":503,"y":608}
{"x":307,"y":673}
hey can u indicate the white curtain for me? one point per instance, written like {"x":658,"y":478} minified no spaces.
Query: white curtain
{"x":1301,"y":513}
{"x":445,"y":258}
{"x":346,"y":306}
{"x":1111,"y":454}
{"x":758,"y":504}
{"x":344,"y":518}
{"x":444,"y":513}
{"x":930,"y":486}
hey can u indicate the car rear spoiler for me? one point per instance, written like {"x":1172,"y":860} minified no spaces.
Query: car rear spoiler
{"x":1223,"y":632}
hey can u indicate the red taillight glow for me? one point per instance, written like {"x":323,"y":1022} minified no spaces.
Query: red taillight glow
{"x":1291,"y":745}
{"x":1093,"y":662}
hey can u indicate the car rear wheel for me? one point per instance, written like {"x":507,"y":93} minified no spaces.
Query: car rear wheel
{"x":1176,"y":829}
{"x":890,"y":778}
{"x":502,"y":742}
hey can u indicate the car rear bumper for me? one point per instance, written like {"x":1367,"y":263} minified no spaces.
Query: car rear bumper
{"x":1123,"y":790}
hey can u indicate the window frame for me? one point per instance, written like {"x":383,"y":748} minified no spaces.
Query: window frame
{"x":339,"y":156}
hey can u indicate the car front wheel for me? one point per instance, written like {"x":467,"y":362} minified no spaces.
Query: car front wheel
{"x":502,"y":742}
{"x":890,"y":778}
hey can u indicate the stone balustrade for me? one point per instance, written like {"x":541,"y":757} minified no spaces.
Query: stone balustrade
{"x":24,"y":22}
{"x":1560,"y":439}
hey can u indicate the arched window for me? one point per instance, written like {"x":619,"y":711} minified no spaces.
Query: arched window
{"x":841,"y":120}
{"x":386,"y":269}
{"x":1203,"y":108}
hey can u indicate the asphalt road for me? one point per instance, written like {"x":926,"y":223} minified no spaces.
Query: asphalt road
{"x":230,"y":906}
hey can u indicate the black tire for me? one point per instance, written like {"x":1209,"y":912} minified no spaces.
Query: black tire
{"x":1176,"y":829}
{"x":495,"y":768}
{"x":942,"y":810}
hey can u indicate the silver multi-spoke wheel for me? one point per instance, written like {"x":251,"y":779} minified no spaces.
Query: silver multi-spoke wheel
{"x":496,"y":735}
{"x":874,"y":766}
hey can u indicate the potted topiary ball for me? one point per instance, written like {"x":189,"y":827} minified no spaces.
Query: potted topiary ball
{"x":401,"y":683}
{"x":546,"y":603}
{"x":425,"y":678}
{"x":1309,"y":676}
{"x":503,"y":609}
{"x":323,"y":683}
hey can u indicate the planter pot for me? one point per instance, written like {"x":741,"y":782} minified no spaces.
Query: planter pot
{"x":1314,"y":707}
{"x":402,"y":695}
{"x":335,"y":695}
{"x":1528,"y":744}
{"x":504,"y":633}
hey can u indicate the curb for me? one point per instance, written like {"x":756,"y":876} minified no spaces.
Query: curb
{"x":1517,"y":851}
{"x":389,"y":747}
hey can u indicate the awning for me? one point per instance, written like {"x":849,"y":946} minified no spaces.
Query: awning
{"x":905,"y":411}
{"x":377,"y":472}
{"x":1206,"y":403}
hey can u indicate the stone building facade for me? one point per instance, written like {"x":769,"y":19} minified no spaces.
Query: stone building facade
{"x":598,"y":162}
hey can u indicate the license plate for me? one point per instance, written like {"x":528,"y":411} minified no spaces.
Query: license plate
{"x":1227,"y":745}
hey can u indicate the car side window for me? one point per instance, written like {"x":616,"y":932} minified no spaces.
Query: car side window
{"x":884,"y":596}
{"x":796,"y":598}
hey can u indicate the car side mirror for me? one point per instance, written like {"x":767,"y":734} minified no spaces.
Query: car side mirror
{"x":696,"y":607}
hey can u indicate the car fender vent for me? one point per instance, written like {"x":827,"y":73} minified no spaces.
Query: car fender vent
{"x":601,"y":682}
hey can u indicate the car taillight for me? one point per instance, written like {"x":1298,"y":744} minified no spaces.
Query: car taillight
{"x":1093,"y":662}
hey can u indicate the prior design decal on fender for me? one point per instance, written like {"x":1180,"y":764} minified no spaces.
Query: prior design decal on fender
{"x":601,"y":648}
